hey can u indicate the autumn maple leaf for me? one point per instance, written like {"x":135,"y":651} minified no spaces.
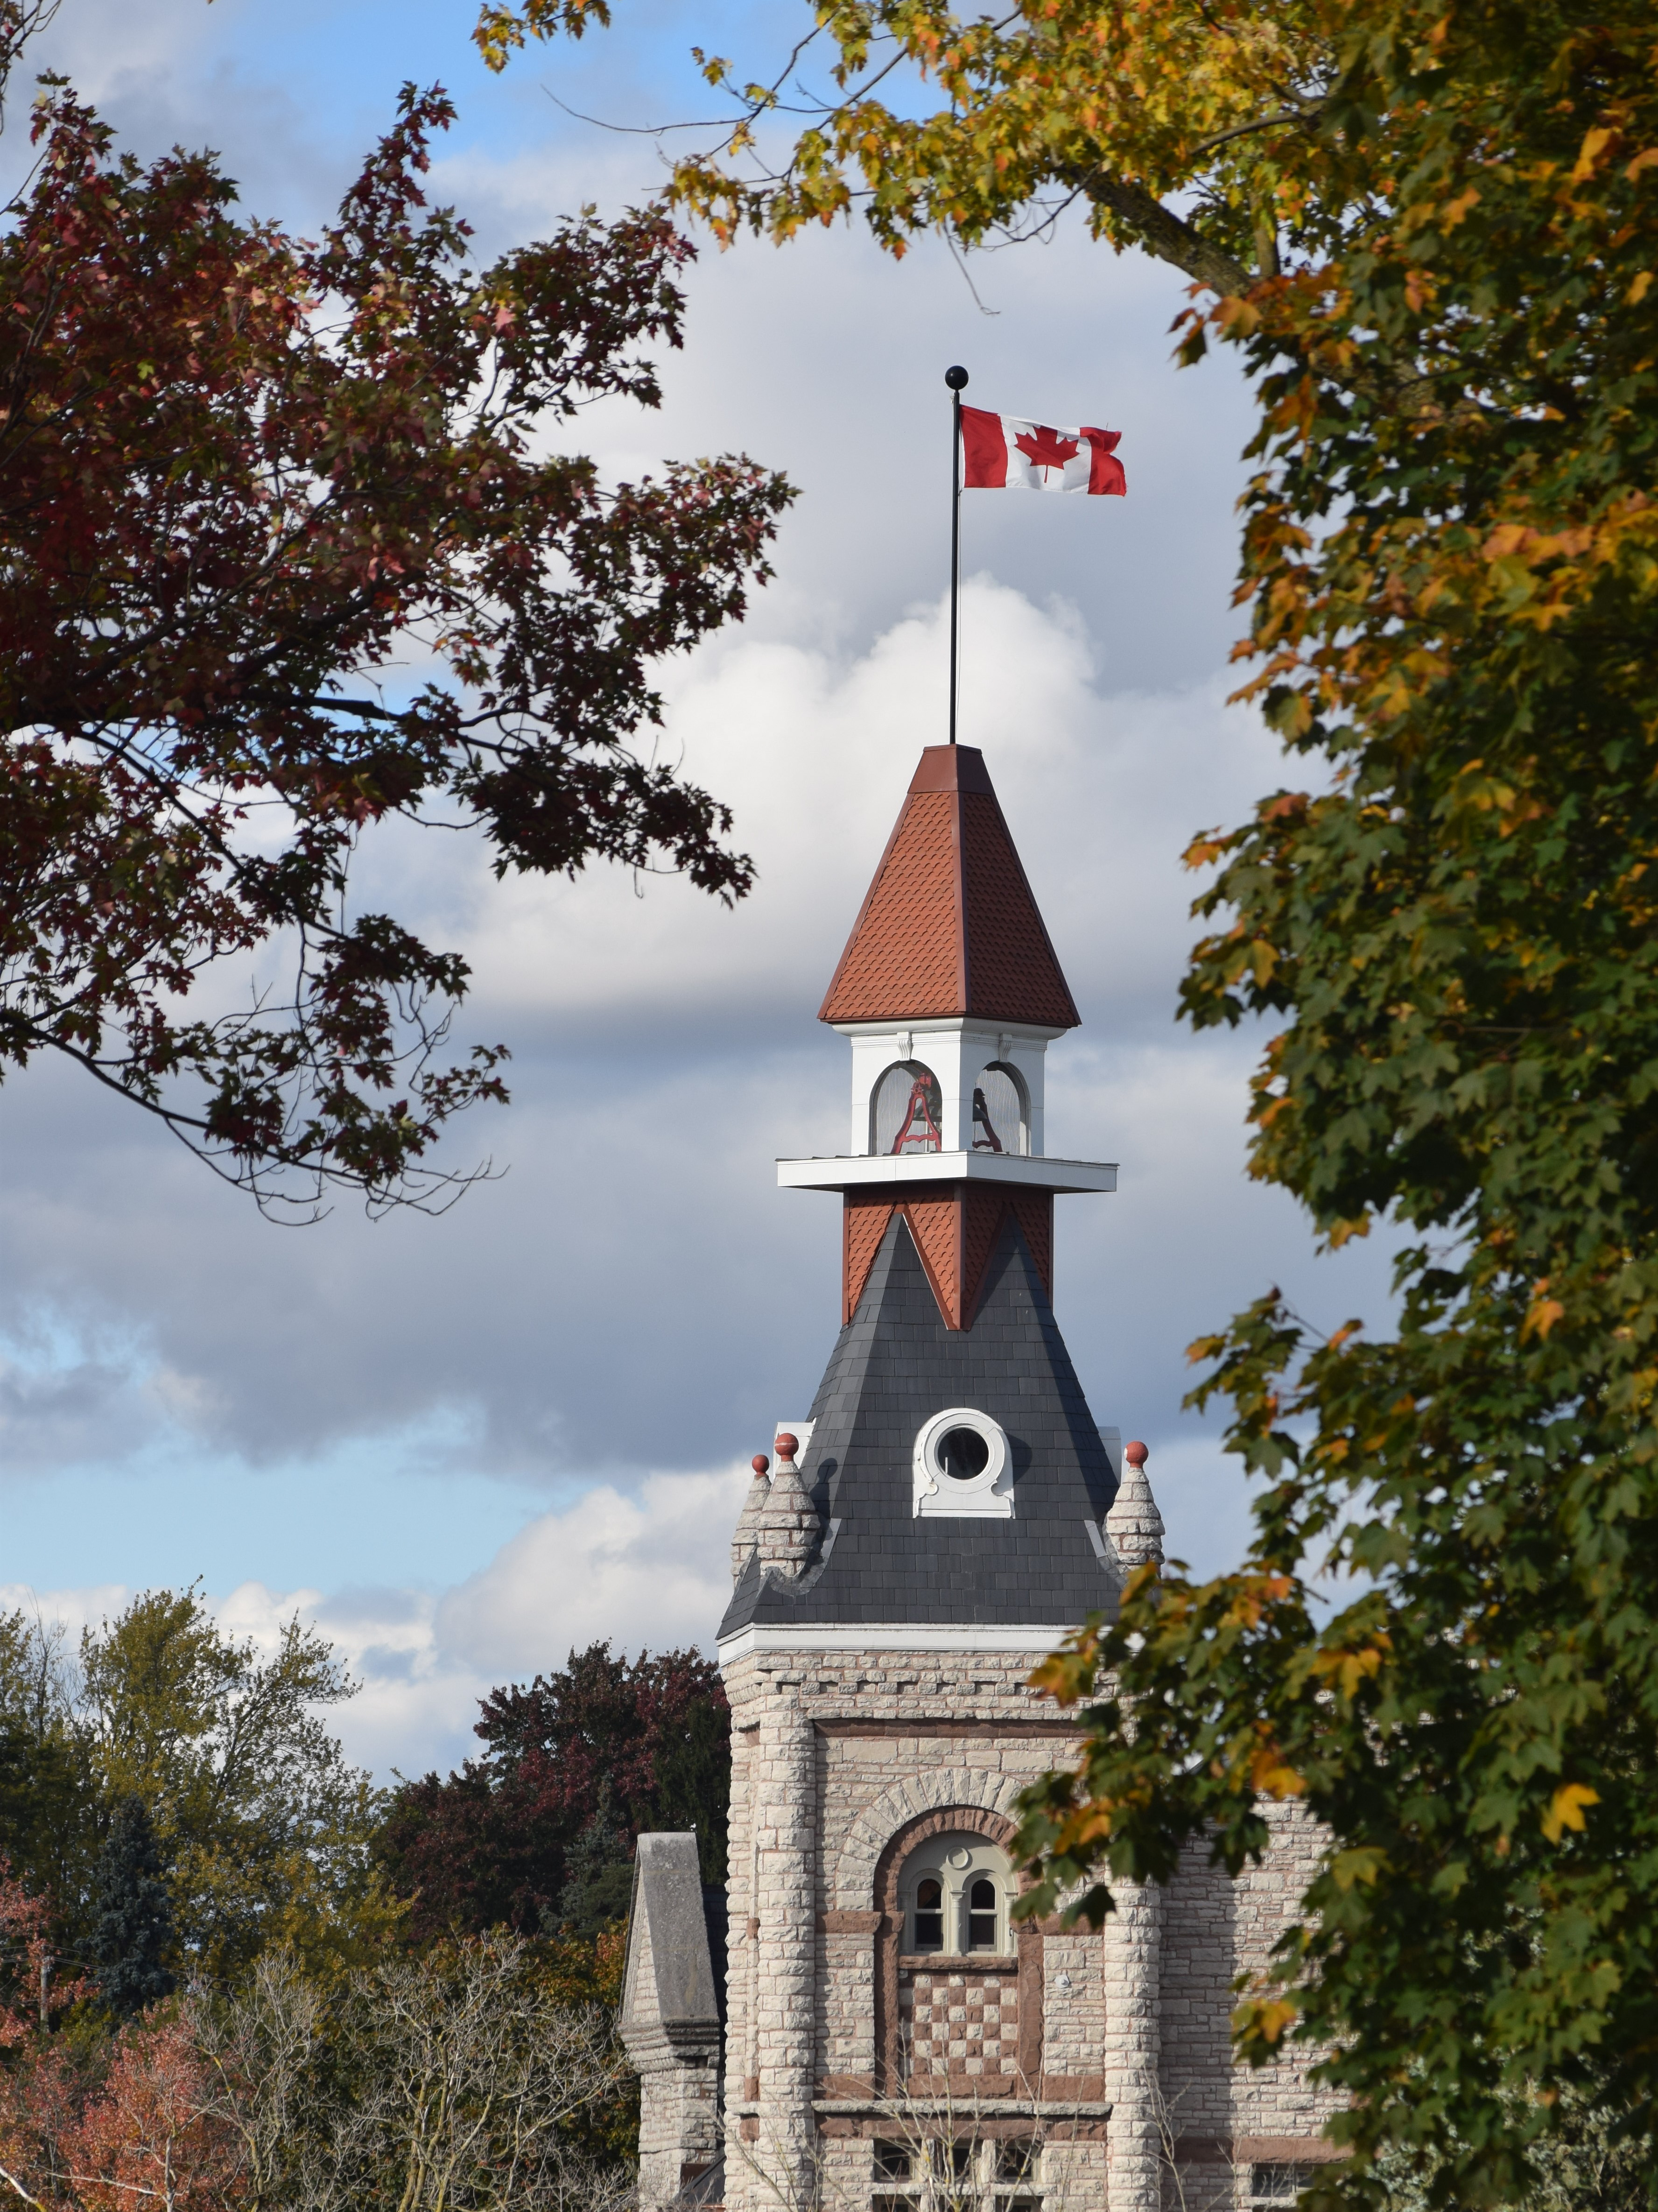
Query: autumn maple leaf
{"x":1046,"y":449}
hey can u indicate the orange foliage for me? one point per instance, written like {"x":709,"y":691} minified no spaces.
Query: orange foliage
{"x":142,"y":2140}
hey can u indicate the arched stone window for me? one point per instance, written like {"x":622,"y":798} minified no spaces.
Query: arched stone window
{"x":953,"y":1892}
{"x":955,"y":1847}
{"x":906,"y":1110}
{"x":1001,"y":1110}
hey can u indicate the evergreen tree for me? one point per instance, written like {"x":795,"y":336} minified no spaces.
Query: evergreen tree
{"x":133,"y":1933}
{"x":599,"y":1885}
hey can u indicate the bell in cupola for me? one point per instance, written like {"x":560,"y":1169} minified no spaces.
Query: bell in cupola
{"x":917,"y":1131}
{"x":1000,"y":1122}
{"x":985,"y":1138}
{"x":908,"y":1110}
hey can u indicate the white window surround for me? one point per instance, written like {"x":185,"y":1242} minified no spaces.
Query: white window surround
{"x":955,"y":1862}
{"x":1276,"y":2182}
{"x":940,"y":1495}
{"x":1004,"y":2172}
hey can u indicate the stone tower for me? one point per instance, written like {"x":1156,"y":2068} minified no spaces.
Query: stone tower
{"x":948,"y":1510}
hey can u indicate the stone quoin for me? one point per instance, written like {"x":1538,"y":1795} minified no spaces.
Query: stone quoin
{"x":860,"y":2022}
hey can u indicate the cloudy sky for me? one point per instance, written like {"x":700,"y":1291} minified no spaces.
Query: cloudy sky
{"x":463,"y":1446}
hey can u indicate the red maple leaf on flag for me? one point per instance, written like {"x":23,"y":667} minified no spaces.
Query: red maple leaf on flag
{"x":1046,"y":449}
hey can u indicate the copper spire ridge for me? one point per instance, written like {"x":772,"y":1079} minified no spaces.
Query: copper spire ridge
{"x":949,"y":926}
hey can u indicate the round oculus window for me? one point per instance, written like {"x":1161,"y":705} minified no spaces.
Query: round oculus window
{"x":963,"y":1453}
{"x":963,"y":1465}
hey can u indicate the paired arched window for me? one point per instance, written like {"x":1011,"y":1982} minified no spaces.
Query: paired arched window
{"x":954,"y":1894}
{"x":906,"y":1112}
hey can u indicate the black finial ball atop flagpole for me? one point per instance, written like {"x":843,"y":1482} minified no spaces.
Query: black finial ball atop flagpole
{"x":956,"y":379}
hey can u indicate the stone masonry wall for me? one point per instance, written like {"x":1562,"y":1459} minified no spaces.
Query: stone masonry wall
{"x":1275,"y":2104}
{"x":1227,"y":2119}
{"x":833,"y":1758}
{"x":1073,"y":1980}
{"x":1198,"y":1962}
{"x":893,"y":1737}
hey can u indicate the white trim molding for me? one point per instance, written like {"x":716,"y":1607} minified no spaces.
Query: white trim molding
{"x":868,"y":1637}
{"x":850,"y":1171}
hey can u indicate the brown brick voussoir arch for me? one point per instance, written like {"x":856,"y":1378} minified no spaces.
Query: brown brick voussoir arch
{"x":948,"y":1820}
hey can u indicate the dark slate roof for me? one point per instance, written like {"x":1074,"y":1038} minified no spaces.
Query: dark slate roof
{"x":894,"y":1366}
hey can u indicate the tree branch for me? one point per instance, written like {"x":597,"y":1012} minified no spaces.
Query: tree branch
{"x":1167,"y":235}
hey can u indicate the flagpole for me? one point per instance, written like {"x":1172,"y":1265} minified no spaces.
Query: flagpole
{"x":956,"y":379}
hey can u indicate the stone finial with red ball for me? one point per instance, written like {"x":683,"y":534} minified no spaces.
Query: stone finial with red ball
{"x":789,"y":1527}
{"x":1134,"y":1527}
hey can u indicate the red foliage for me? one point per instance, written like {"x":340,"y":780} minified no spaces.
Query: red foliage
{"x":244,"y":482}
{"x":146,"y":2139}
{"x":142,"y":2140}
{"x":487,"y":1847}
{"x":138,"y":2137}
{"x":28,"y":1965}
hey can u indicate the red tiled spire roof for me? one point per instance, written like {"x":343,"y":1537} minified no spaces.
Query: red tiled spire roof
{"x":949,"y":926}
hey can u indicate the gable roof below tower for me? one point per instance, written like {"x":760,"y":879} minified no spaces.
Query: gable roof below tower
{"x":950,"y":926}
{"x":895,"y":1366}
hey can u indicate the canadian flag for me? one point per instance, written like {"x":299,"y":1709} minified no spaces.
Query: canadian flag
{"x":1004,"y":453}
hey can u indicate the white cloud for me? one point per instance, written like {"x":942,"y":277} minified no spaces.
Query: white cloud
{"x":71,"y":1609}
{"x":616,"y":1303}
{"x":651,"y":1568}
{"x":646,"y":1569}
{"x":67,"y":1408}
{"x":282,"y":1414}
{"x":666,"y":1050}
{"x":649,"y":1571}
{"x":813,"y":749}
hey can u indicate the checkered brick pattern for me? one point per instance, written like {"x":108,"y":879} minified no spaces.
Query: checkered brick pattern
{"x":964,"y":2026}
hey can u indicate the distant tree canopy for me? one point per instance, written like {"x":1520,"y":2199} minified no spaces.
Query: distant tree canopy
{"x":45,"y":1803}
{"x":176,"y":1801}
{"x":164,"y":1750}
{"x":484,"y":2076}
{"x":208,"y":1990}
{"x":538,"y":1832}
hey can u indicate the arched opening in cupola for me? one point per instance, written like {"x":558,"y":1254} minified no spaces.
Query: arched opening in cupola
{"x":1001,"y":1109}
{"x":907,"y":1110}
